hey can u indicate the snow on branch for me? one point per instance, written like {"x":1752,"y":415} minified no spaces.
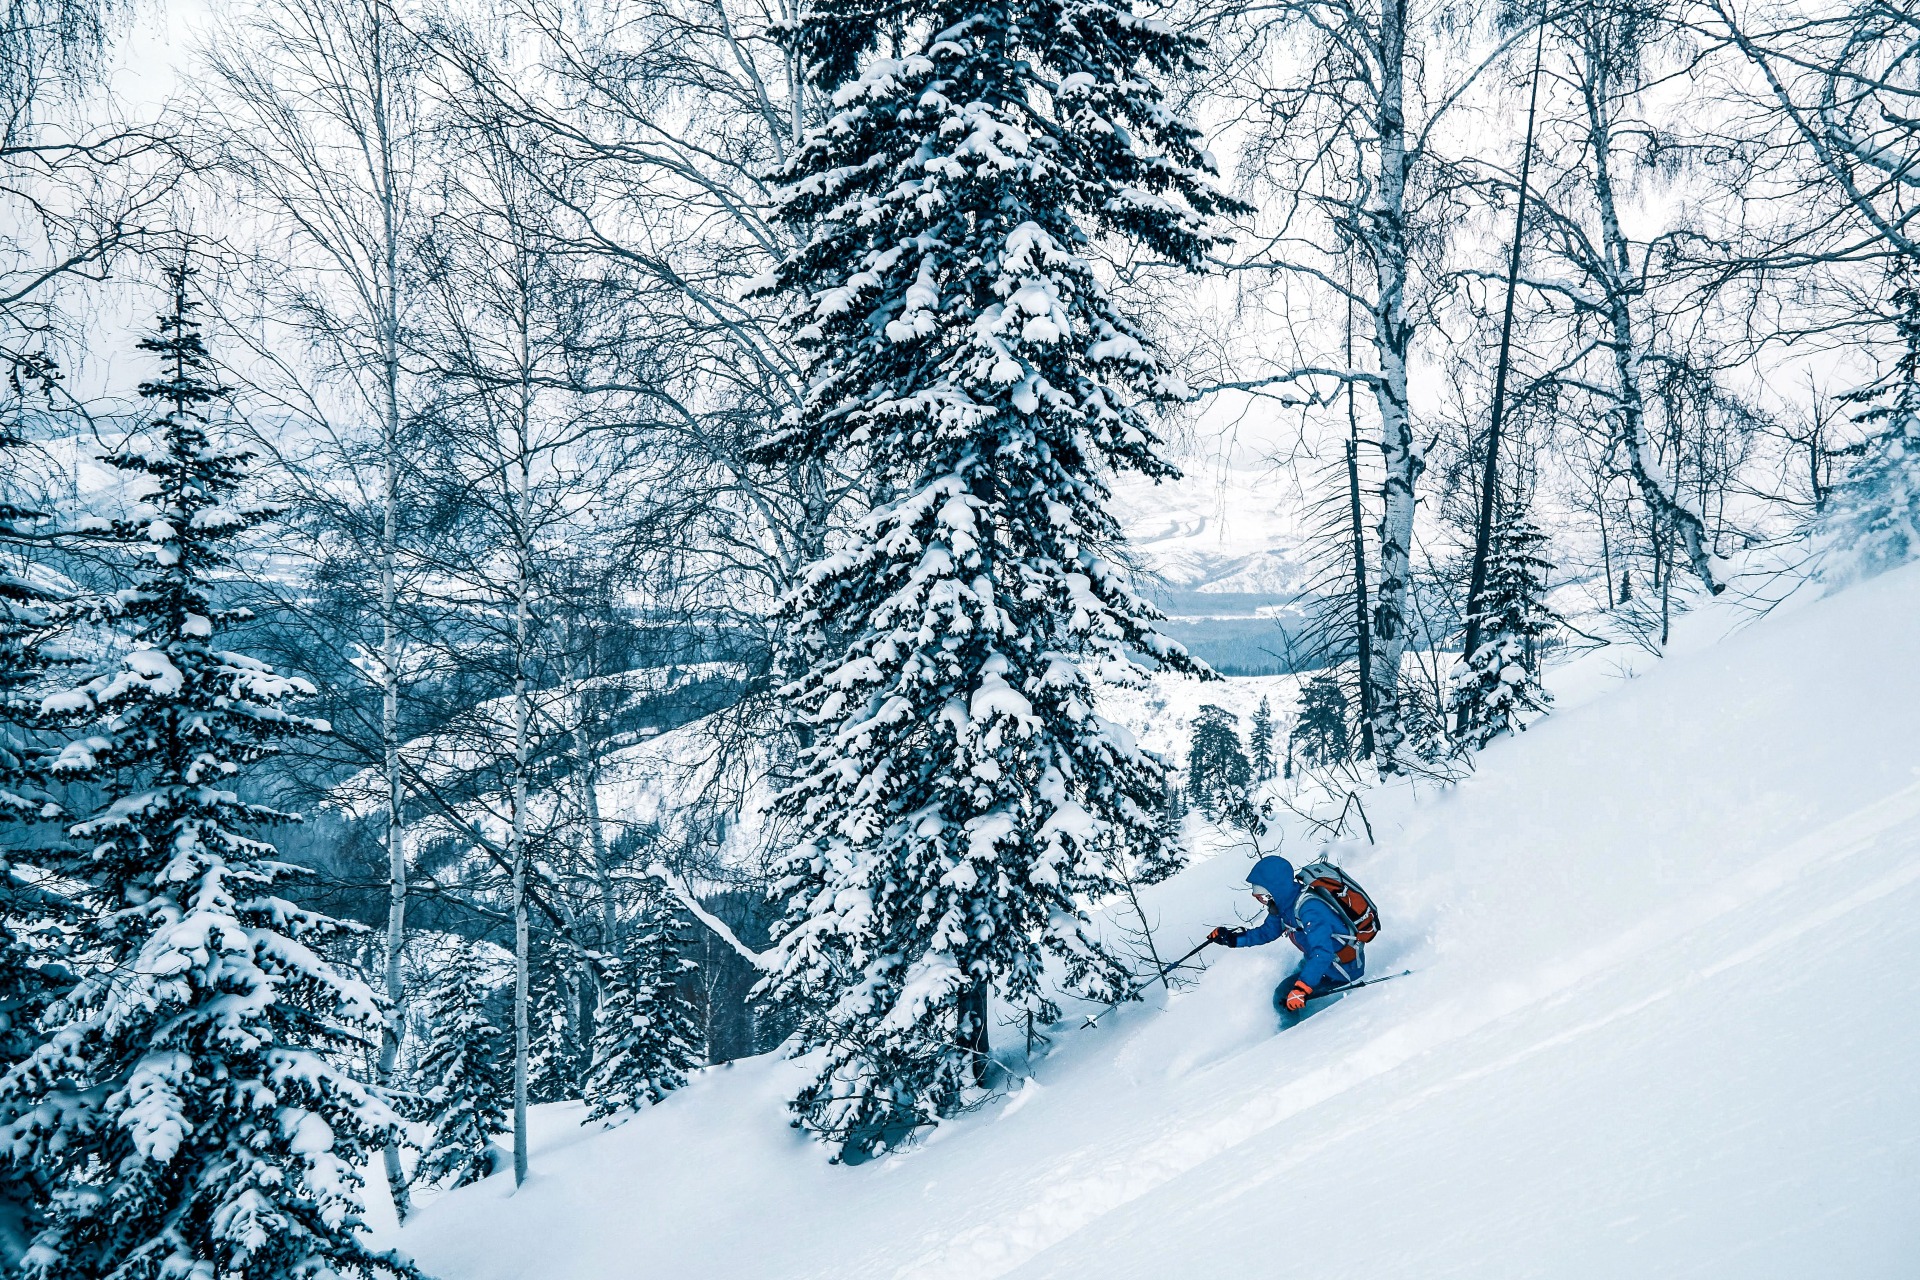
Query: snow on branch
{"x":759,"y":960}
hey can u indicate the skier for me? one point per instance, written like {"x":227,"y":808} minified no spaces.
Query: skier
{"x":1332,"y":956}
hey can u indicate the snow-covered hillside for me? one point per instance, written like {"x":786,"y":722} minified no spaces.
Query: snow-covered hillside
{"x":1218,"y":530}
{"x":1665,"y":1021}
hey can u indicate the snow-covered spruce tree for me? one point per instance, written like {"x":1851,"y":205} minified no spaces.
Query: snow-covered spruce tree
{"x":1322,"y":734}
{"x":957,"y":795}
{"x":1261,"y":741}
{"x":1871,"y":521}
{"x":33,"y":921}
{"x":1497,"y":687}
{"x":646,"y":1034}
{"x":31,"y":975}
{"x":1166,"y":856}
{"x":1217,"y":770}
{"x":560,"y":1049}
{"x":466,"y":1078}
{"x":184,"y":1101}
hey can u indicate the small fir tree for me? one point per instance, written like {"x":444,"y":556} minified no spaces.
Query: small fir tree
{"x":1260,"y":741}
{"x":1871,"y":521}
{"x":36,"y":930}
{"x":1423,"y":724}
{"x":1497,"y":687}
{"x":959,"y":801}
{"x":467,"y":1072}
{"x":34,"y":922}
{"x":35,"y":944}
{"x":31,"y":940}
{"x":560,"y":1052}
{"x":184,"y":1101}
{"x":1217,"y":770}
{"x":1322,"y":732}
{"x":27,"y":623}
{"x":29,"y":916}
{"x":645,"y":1031}
{"x":1169,"y":854}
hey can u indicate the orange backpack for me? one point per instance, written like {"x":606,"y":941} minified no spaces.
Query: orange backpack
{"x":1326,"y":881}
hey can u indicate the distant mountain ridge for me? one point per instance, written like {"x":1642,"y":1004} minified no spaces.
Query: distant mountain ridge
{"x":1220,"y":553}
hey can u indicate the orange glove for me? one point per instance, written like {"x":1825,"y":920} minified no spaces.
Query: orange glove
{"x":1297,"y":996}
{"x":1223,"y":936}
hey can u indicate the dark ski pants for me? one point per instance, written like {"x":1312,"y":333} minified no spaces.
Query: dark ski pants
{"x":1343,"y":976}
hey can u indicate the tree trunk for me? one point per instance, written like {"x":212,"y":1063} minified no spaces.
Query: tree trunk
{"x":1490,"y":471}
{"x":521,"y":1038}
{"x":1362,"y":624}
{"x":973,"y":1037}
{"x":1386,"y":230}
{"x":522,"y":715}
{"x":1606,"y":540}
{"x":389,"y":599}
{"x":1363,"y":633}
{"x":1617,"y":283}
{"x":396,"y":836}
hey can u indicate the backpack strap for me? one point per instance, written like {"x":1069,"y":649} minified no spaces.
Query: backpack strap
{"x":1347,"y":937}
{"x":1344,"y":937}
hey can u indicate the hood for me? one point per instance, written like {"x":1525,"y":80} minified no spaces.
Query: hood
{"x":1274,"y":875}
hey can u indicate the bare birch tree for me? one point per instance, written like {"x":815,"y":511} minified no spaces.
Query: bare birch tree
{"x":1605,"y":50}
{"x":528,"y":458}
{"x":317,"y":116}
{"x":82,"y":187}
{"x":1349,"y":99}
{"x":667,"y":118}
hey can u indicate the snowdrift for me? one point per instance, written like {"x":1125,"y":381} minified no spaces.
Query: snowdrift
{"x":1665,"y":1022}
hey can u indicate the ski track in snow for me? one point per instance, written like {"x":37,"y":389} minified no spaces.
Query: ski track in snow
{"x":1069,"y":1202}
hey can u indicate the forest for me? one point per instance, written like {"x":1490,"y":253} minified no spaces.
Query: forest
{"x":545,"y":547}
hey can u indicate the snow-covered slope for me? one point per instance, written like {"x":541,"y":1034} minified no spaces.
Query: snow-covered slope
{"x":1218,"y":529}
{"x":1665,"y":1022}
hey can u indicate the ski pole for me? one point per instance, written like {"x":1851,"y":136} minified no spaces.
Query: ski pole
{"x":1094,"y":1018}
{"x":1355,"y":986}
{"x":1162,"y":975}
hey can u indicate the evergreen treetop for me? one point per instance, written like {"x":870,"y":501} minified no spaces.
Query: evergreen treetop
{"x":1870,"y":522}
{"x":1322,"y":732}
{"x":1261,"y":741}
{"x":1218,"y":774}
{"x":561,"y":1041}
{"x":645,"y":1036}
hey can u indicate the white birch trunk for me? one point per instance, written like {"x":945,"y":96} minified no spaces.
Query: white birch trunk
{"x":389,"y":320}
{"x":522,"y":717}
{"x":1618,"y":288}
{"x":1385,"y":227}
{"x":395,"y":837}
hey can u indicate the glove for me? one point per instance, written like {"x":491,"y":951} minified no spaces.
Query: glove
{"x":1224,"y":937}
{"x":1297,"y":996}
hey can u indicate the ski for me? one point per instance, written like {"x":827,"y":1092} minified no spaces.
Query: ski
{"x":1355,"y":986}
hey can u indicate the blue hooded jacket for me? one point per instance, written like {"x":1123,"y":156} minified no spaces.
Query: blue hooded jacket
{"x":1309,"y":922}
